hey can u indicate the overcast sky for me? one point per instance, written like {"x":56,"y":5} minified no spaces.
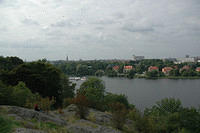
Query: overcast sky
{"x":99,"y":29}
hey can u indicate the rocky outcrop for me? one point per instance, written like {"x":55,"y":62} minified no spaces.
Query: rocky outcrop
{"x":84,"y":126}
{"x":97,"y":121}
{"x":25,"y":130}
{"x":28,"y":114}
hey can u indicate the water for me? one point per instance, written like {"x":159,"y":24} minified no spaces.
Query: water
{"x":145,"y":92}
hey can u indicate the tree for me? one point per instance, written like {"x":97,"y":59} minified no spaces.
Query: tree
{"x":5,"y":94}
{"x":21,"y":94}
{"x":94,"y":90}
{"x":131,"y":74}
{"x":82,"y":105}
{"x":99,"y":73}
{"x":40,"y":77}
{"x":115,"y":98}
{"x":119,"y":114}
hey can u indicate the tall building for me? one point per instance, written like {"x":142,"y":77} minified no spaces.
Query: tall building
{"x":137,"y":58}
{"x":67,"y":58}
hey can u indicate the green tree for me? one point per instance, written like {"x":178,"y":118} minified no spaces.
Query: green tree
{"x":94,"y":90}
{"x":21,"y":94}
{"x":40,"y":77}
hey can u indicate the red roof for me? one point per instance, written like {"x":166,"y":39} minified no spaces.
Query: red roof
{"x":128,"y":67}
{"x":198,"y":69}
{"x":116,"y":67}
{"x":166,"y":69}
{"x":186,"y":67}
{"x":151,"y":68}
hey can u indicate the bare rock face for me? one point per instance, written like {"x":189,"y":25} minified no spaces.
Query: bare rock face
{"x":28,"y":114}
{"x":25,"y":130}
{"x":84,"y":126}
{"x":99,"y":117}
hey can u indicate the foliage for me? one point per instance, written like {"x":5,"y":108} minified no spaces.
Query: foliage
{"x":6,"y":94}
{"x":119,"y":113}
{"x":99,"y":73}
{"x":94,"y":90}
{"x":82,"y":105}
{"x":131,"y":74}
{"x":165,"y":106}
{"x":7,"y":125}
{"x":41,"y":77}
{"x":114,"y":98}
{"x":8,"y":63}
{"x":21,"y":94}
{"x":45,"y":104}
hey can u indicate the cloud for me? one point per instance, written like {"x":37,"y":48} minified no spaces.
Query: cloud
{"x":99,"y":29}
{"x":30,"y":22}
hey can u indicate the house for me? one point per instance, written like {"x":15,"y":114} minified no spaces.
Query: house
{"x":127,"y":68}
{"x":198,"y":69}
{"x":116,"y":68}
{"x":166,"y":70}
{"x":153,"y":68}
{"x":185,"y":68}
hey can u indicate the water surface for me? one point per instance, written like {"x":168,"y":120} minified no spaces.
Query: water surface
{"x":145,"y":92}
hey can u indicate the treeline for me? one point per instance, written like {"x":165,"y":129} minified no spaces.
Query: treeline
{"x":21,"y":82}
{"x":140,"y":68}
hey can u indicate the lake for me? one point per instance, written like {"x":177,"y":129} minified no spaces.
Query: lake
{"x":145,"y":92}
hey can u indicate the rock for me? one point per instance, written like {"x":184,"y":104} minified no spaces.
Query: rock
{"x":28,"y":114}
{"x":99,"y":117}
{"x":84,"y":126}
{"x":25,"y":130}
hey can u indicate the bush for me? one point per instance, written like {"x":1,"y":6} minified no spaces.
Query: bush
{"x":82,"y":105}
{"x":113,"y":98}
{"x":5,"y":95}
{"x":119,"y":113}
{"x":20,"y":94}
{"x":94,"y":90}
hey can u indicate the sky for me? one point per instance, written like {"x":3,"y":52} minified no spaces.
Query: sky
{"x":99,"y":29}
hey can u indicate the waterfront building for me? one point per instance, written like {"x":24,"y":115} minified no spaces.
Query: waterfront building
{"x":166,"y":70}
{"x":153,"y":68}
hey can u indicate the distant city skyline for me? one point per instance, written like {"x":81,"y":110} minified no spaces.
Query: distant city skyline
{"x":93,"y":29}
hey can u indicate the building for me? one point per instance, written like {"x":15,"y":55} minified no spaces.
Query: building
{"x":187,"y":68}
{"x":127,"y":69}
{"x":138,"y":58}
{"x":185,"y":60}
{"x":116,"y":68}
{"x":198,"y":69}
{"x":166,"y":70}
{"x":153,"y":68}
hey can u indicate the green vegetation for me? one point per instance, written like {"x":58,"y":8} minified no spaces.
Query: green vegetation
{"x":7,"y":124}
{"x":25,"y":81}
{"x":140,"y":68}
{"x":26,"y":84}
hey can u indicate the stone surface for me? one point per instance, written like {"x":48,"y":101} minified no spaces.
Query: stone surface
{"x":84,"y":126}
{"x":25,"y":130}
{"x":28,"y":114}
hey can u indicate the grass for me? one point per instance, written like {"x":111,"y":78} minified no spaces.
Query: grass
{"x":7,"y":124}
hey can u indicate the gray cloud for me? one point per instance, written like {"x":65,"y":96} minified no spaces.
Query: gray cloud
{"x":99,"y":29}
{"x":30,"y":22}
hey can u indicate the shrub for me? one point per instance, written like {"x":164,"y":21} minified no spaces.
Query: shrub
{"x":67,"y":101}
{"x":94,"y":90}
{"x":45,"y":104}
{"x":82,"y":105}
{"x":119,"y":113}
{"x":21,"y":94}
{"x":113,"y":98}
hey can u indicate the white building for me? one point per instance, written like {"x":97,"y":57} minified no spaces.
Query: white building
{"x":137,"y":58}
